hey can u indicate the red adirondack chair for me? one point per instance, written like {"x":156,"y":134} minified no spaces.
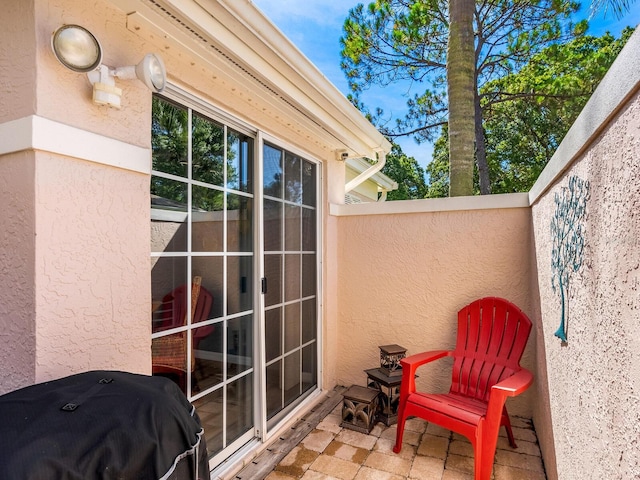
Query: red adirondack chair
{"x":169,"y":353}
{"x":492,"y":335}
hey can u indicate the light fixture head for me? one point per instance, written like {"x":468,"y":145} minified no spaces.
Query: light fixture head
{"x":76,"y":48}
{"x":152,"y":73}
{"x":149,"y":71}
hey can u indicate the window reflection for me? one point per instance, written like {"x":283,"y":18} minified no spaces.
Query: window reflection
{"x":290,"y":260}
{"x":292,"y":228}
{"x":169,"y":138}
{"x":308,"y":184}
{"x":292,"y":373}
{"x":239,"y":284}
{"x":239,"y":407}
{"x":273,"y":333}
{"x":168,"y":215}
{"x":207,"y":150}
{"x":239,"y":223}
{"x":208,"y":358}
{"x":167,"y":275}
{"x":239,"y":162}
{"x":272,"y":225}
{"x":207,"y":221}
{"x":202,"y":250}
{"x":292,"y":177}
{"x":272,"y":159}
{"x":239,"y":345}
{"x":291,"y":326}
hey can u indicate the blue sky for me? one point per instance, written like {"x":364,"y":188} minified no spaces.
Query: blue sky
{"x":315,"y":27}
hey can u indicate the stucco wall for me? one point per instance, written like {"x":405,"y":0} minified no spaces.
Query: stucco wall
{"x":17,"y":250}
{"x":17,"y":77}
{"x":594,"y":379}
{"x":403,"y":278}
{"x":65,"y":96}
{"x":92,"y":268}
{"x":75,"y":251}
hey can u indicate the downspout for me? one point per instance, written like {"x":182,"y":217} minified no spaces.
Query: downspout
{"x":368,"y":173}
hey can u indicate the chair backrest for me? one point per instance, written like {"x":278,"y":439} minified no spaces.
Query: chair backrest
{"x":174,"y":307}
{"x":492,"y":335}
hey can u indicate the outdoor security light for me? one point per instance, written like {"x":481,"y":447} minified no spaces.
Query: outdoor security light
{"x":149,"y":71}
{"x":77,"y":49}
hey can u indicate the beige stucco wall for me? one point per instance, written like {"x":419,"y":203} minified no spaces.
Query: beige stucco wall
{"x":403,"y":278}
{"x":92,"y":220}
{"x":92,"y":268}
{"x":594,"y":380}
{"x":65,"y":96}
{"x":541,"y":417}
{"x":76,"y":232}
{"x":17,"y":288}
{"x":17,"y":77}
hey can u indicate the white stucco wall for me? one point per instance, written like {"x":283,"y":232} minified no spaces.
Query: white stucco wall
{"x":594,"y":380}
{"x":593,"y":426}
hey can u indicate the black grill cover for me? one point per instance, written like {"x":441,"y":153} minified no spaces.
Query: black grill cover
{"x":101,"y":425}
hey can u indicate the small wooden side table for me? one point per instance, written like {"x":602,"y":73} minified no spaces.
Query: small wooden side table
{"x":359,"y":408}
{"x":389,"y":388}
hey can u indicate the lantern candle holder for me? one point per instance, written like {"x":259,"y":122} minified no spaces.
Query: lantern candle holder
{"x":390,"y":356}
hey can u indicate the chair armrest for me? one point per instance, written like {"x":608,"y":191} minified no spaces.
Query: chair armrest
{"x":414,"y":361}
{"x":509,"y":387}
{"x":515,"y":384}
{"x":411,"y":363}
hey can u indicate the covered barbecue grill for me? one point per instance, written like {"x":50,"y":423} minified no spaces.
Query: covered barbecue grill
{"x":101,"y":425}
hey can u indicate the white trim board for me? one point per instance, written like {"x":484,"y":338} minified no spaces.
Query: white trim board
{"x":39,"y":133}
{"x":450,"y":204}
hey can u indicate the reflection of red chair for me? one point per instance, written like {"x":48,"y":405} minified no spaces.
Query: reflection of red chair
{"x":169,"y":354}
{"x":492,"y":334}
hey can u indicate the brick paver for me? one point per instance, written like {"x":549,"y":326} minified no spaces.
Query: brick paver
{"x":429,"y":452}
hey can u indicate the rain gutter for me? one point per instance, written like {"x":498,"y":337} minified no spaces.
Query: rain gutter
{"x":367,"y":174}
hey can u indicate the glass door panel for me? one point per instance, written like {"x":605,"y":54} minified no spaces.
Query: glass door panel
{"x":202,"y":273}
{"x":290,"y":216}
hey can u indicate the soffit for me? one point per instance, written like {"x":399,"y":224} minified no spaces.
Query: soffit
{"x":244,"y":62}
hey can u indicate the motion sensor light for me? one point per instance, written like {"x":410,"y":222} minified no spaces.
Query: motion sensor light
{"x":79,"y":50}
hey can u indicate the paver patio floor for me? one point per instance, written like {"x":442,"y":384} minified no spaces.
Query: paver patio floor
{"x":429,"y":452}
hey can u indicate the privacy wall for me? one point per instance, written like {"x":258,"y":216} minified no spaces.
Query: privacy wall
{"x":404,"y":276}
{"x":587,"y":244}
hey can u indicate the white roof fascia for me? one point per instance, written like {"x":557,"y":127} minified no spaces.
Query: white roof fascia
{"x":288,"y":59}
{"x":298,"y":89}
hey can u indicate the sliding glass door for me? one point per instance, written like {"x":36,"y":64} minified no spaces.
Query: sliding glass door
{"x":207,"y":280}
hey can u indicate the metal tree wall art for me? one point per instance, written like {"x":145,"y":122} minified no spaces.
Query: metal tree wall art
{"x":567,"y":236}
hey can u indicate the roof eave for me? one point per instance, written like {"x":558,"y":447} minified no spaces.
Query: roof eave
{"x":250,"y":40}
